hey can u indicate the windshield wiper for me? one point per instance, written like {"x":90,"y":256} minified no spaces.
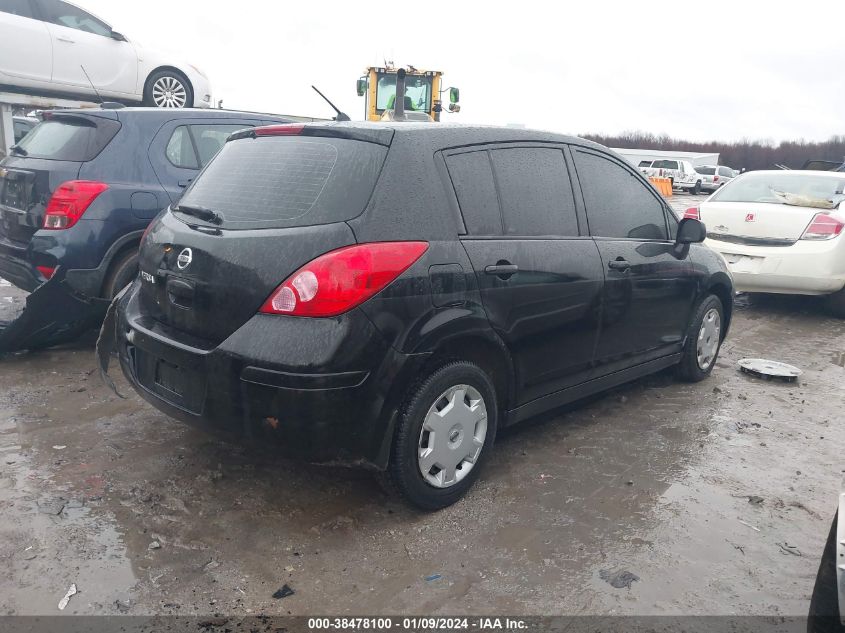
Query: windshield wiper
{"x":20,"y":151}
{"x":203,"y":213}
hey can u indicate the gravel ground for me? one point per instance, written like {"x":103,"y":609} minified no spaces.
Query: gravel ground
{"x":712,"y":498}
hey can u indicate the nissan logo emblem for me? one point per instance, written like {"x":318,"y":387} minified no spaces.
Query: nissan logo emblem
{"x":185,"y":258}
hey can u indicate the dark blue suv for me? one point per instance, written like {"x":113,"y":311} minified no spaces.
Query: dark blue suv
{"x":80,"y":189}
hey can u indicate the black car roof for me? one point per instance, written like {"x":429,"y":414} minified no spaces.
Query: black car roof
{"x":443,"y":135}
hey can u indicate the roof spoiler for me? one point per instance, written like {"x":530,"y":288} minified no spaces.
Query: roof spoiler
{"x":379,"y":136}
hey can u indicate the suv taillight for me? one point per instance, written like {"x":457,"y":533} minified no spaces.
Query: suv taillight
{"x":823,"y":227}
{"x":340,"y":280}
{"x":692,"y":213}
{"x":69,"y":202}
{"x":715,"y":179}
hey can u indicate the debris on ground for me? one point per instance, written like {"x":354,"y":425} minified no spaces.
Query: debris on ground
{"x":284,"y":592}
{"x":52,"y":506}
{"x":755,"y":500}
{"x":786,"y":548}
{"x":769,"y":369}
{"x":620,"y":579}
{"x":70,"y":592}
{"x":756,"y":529}
{"x":433,"y":577}
{"x":59,"y":447}
{"x":154,"y":545}
{"x":212,"y":564}
{"x":122,"y":605}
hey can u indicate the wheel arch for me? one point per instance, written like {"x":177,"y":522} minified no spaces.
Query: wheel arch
{"x":127,"y":243}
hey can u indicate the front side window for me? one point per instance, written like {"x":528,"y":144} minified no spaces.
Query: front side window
{"x":417,"y":93}
{"x":619,"y":205}
{"x":210,"y":138}
{"x":64,"y":14}
{"x":16,"y":7}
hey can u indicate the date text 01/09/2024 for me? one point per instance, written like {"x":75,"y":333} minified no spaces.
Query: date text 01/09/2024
{"x":418,"y":623}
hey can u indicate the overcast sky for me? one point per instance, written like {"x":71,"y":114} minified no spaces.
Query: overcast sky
{"x":696,"y":70}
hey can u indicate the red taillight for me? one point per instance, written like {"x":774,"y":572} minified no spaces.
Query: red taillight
{"x":46,"y":271}
{"x":692,"y":213}
{"x":285,"y":129}
{"x":823,"y":227}
{"x":715,"y":179}
{"x":340,"y":280}
{"x":69,"y":202}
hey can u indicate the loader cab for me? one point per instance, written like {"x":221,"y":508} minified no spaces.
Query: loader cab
{"x":422,"y":93}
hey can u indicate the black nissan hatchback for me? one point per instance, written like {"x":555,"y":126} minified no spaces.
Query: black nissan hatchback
{"x":391,"y":296}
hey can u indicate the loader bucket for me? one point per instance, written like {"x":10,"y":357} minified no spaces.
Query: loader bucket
{"x":54,"y":314}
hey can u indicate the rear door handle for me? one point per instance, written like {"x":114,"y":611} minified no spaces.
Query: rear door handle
{"x":619,"y":264}
{"x":184,"y":183}
{"x":64,"y":39}
{"x":502,"y":270}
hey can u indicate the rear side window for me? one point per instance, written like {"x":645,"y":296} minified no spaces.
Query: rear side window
{"x":618,"y":204}
{"x":211,"y":138}
{"x":69,"y":138}
{"x":472,"y":178}
{"x":16,"y":7}
{"x":724,"y":171}
{"x":706,"y":171}
{"x":287,"y":181}
{"x":534,"y":191}
{"x":180,"y":150}
{"x":645,"y":163}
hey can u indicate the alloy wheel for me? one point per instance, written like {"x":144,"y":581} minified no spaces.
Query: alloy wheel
{"x":169,"y":92}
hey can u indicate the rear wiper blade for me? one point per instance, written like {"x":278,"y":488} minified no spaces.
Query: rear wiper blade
{"x":20,"y":151}
{"x":203,"y":213}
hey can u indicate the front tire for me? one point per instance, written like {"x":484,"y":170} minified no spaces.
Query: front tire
{"x":168,"y":89}
{"x":443,"y":436}
{"x":704,"y":338}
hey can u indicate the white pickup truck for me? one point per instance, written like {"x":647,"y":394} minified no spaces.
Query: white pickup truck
{"x":680,"y":172}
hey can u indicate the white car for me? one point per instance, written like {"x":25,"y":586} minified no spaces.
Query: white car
{"x":714,"y":176}
{"x":682,"y":173}
{"x":54,"y":47}
{"x":781,"y":232}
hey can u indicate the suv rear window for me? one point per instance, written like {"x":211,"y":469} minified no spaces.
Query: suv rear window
{"x":70,"y":138}
{"x":287,"y":181}
{"x":706,"y":171}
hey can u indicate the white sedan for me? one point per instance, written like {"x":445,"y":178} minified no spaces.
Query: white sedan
{"x":781,"y":232}
{"x":53,"y":47}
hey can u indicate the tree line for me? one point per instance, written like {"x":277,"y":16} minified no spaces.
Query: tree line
{"x":743,"y":154}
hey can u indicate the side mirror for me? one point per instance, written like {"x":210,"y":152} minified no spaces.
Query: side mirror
{"x":120,"y":37}
{"x":691,"y":231}
{"x":362,"y":87}
{"x":454,"y":95}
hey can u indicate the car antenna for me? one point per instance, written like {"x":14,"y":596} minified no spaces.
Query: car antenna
{"x":93,"y":87}
{"x":341,"y":116}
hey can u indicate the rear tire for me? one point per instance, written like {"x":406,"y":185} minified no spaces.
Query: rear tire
{"x":704,"y":339}
{"x":122,"y":273}
{"x":836,"y":304}
{"x":428,"y":403}
{"x":697,"y":189}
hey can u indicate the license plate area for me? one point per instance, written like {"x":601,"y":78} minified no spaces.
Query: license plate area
{"x":179,"y":384}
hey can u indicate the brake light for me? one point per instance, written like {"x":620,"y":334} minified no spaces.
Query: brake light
{"x":340,"y":280}
{"x":286,"y":129}
{"x":715,"y":179}
{"x":69,"y":201}
{"x":692,"y":213}
{"x":823,"y":227}
{"x":46,"y":271}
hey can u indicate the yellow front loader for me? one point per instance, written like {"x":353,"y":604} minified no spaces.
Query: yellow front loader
{"x":421,"y":88}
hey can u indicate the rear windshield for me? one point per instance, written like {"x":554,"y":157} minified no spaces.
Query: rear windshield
{"x":69,"y":138}
{"x":284,"y":181}
{"x":783,"y":188}
{"x":706,"y":171}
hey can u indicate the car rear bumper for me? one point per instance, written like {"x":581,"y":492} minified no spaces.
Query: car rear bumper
{"x":274,"y":383}
{"x":16,"y":268}
{"x":806,"y":267}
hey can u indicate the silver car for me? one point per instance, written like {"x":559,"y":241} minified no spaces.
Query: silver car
{"x":714,"y":176}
